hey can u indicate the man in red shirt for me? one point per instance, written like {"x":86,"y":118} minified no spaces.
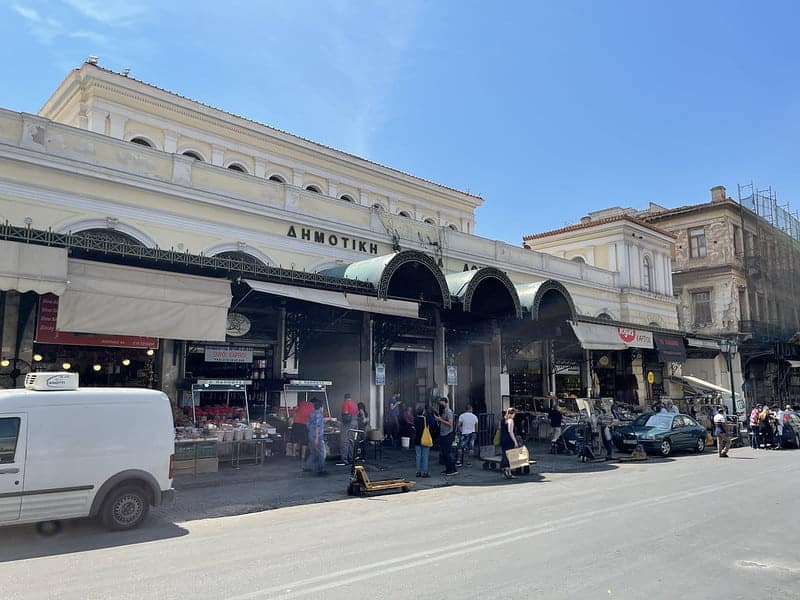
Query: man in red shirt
{"x":300,"y":426}
{"x":349,"y":421}
{"x":349,"y":408}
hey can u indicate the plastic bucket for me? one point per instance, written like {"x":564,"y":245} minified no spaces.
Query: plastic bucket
{"x":405,"y":442}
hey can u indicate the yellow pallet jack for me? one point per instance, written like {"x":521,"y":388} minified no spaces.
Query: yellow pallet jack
{"x":361,"y":484}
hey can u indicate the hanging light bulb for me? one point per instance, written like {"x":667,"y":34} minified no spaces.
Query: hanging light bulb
{"x":37,"y":358}
{"x":126,"y":362}
{"x":150,"y":352}
{"x":66,"y":366}
{"x":5,"y":362}
{"x":96,"y":367}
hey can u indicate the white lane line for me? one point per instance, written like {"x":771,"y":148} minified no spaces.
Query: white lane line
{"x":320,"y":583}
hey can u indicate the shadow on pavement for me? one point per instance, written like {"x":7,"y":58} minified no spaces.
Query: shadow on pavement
{"x":79,"y":535}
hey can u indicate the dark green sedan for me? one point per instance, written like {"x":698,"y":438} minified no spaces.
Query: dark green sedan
{"x":661,"y":433}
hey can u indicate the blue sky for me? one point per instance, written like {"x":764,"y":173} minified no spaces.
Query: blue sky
{"x":547,"y":110}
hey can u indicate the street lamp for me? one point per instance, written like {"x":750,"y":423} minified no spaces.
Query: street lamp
{"x":729,"y":347}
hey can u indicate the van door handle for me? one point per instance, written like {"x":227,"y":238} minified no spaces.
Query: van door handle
{"x":9,"y":471}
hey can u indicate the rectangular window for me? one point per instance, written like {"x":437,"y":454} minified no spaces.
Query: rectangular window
{"x":742,"y":305}
{"x":9,"y":432}
{"x":697,"y":242}
{"x":701,"y":303}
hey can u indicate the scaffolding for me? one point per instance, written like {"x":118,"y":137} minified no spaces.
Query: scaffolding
{"x":765,"y":204}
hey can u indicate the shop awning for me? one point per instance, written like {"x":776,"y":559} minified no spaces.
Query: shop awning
{"x":670,"y":348}
{"x":707,"y":344}
{"x":397,"y":308}
{"x":606,"y":337}
{"x":114,"y":299}
{"x":32,"y":268}
{"x":793,"y":364}
{"x":487,"y":291}
{"x":701,"y":384}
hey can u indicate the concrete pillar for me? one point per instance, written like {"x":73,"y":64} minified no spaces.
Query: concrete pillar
{"x":366,"y":391}
{"x":297,"y":178}
{"x":170,"y":367}
{"x":637,"y":368}
{"x":363,"y":198}
{"x":277,"y":363}
{"x":332,"y":189}
{"x":439,"y":354}
{"x":586,"y":373}
{"x":493,"y":365}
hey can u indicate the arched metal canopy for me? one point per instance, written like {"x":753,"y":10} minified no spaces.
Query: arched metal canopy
{"x":486,"y":291}
{"x":408,"y":274}
{"x":535,"y":298}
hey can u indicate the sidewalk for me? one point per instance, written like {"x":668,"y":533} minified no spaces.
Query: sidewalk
{"x":279,"y":482}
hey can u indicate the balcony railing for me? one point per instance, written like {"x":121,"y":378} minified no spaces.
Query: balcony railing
{"x":767,"y":330}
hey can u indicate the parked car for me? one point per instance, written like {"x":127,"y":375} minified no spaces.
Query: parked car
{"x":661,"y":433}
{"x":68,"y":452}
{"x":791,"y":430}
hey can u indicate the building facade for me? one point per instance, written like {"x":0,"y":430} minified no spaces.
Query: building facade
{"x":188,"y":243}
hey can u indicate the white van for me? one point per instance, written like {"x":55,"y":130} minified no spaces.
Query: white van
{"x":68,"y":452}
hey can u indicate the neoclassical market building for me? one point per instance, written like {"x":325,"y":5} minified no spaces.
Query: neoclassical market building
{"x":150,"y":239}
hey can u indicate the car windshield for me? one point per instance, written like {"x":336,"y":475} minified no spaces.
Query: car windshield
{"x":663,"y":421}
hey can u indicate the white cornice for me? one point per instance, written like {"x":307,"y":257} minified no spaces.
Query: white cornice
{"x":152,"y":95}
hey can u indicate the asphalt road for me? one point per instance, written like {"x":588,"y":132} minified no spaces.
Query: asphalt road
{"x":689,"y":527}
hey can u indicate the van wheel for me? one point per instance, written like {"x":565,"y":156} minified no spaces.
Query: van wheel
{"x":124,"y":508}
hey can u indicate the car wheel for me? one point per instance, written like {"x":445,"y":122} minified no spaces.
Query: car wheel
{"x":797,"y":440}
{"x":700,"y":446}
{"x":665,"y":449}
{"x":124,"y":508}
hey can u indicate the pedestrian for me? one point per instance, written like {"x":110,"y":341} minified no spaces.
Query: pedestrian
{"x":468,"y":428}
{"x":316,"y":439}
{"x":392,"y":420}
{"x":605,"y":435}
{"x":446,"y":435}
{"x":765,"y":427}
{"x":300,"y":427}
{"x":754,"y":437}
{"x":422,"y":443}
{"x":556,"y":418}
{"x":508,"y":441}
{"x":721,"y":431}
{"x":349,"y":435}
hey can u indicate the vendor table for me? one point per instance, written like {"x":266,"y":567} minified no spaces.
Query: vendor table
{"x":238,"y":450}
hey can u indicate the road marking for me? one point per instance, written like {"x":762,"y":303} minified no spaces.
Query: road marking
{"x":321,"y":583}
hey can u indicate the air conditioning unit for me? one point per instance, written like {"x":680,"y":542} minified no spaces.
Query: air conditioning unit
{"x":50,"y":382}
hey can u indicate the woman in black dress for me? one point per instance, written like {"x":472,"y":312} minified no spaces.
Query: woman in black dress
{"x":508,"y":441}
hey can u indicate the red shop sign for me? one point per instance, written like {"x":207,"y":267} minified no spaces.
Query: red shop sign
{"x":46,"y":332}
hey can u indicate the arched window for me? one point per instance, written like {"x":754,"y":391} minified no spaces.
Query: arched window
{"x":647,"y":274}
{"x":405,"y":214}
{"x":453,"y":227}
{"x":194,"y":155}
{"x":346,"y":198}
{"x":314,"y":188}
{"x":430,"y":221}
{"x":237,"y":167}
{"x":142,"y":142}
{"x":378,"y":206}
{"x":277,"y":179}
{"x":605,"y":316}
{"x":578,"y":259}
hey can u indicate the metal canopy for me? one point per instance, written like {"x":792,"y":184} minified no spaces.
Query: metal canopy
{"x":398,"y":308}
{"x":406,"y":274}
{"x":477,"y":290}
{"x":532,"y":294}
{"x":701,"y":384}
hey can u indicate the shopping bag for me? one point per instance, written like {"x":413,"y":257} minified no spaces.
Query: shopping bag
{"x":426,"y":440}
{"x":518,"y":457}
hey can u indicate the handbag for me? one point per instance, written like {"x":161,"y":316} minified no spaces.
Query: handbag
{"x":518,"y":457}
{"x":496,"y":441}
{"x":425,"y":439}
